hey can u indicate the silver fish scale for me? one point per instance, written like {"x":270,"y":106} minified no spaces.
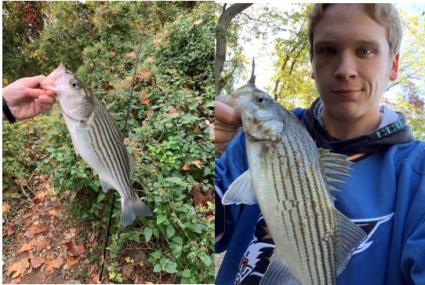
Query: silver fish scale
{"x":289,"y":176}
{"x":110,"y":150}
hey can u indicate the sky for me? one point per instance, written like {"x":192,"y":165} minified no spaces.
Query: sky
{"x":264,"y":51}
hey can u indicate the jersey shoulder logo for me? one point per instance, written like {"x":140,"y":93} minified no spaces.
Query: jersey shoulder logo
{"x":370,"y":226}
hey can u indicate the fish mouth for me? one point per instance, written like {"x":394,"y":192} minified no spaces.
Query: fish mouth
{"x":57,"y":73}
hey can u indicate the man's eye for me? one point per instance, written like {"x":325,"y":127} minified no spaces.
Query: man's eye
{"x":366,"y":52}
{"x":326,"y":51}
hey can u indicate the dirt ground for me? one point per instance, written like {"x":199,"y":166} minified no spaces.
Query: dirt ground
{"x":40,"y":244}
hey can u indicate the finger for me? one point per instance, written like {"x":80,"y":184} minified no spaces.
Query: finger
{"x":47,"y":83}
{"x":34,"y":81}
{"x":45,"y":99}
{"x":33,"y":92}
{"x":227,"y":114}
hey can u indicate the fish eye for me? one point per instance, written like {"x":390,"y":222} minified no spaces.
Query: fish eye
{"x":260,"y":99}
{"x":75,"y":85}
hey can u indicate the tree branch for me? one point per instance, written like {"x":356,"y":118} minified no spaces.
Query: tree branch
{"x":221,"y":40}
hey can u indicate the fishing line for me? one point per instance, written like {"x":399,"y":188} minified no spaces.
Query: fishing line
{"x":108,"y":231}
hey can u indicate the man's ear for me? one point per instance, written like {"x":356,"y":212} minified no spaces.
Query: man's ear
{"x":313,"y":75}
{"x":394,"y":67}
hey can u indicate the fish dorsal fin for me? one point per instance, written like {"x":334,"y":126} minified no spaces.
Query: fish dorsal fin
{"x":335,"y":167}
{"x":252,"y":79}
{"x":348,"y":237}
{"x":240,"y":191}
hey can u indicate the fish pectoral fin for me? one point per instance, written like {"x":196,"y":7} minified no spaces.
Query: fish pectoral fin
{"x":278,"y":273}
{"x":105,"y":185}
{"x":348,"y":237}
{"x":241,"y":191}
{"x":335,"y":167}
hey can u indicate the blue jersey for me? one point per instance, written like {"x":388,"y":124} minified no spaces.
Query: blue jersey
{"x":385,"y":196}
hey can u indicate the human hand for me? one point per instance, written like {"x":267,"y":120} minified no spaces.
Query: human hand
{"x":227,"y":123}
{"x":26,"y":99}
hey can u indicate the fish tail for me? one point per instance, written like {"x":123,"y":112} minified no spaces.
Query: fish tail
{"x":131,"y":209}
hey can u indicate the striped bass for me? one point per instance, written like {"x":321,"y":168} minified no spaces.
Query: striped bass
{"x":98,"y":141}
{"x":292,"y":180}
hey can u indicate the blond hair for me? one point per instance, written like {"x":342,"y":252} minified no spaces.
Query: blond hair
{"x":383,"y":13}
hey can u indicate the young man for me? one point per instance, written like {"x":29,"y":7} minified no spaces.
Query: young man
{"x":354,"y":51}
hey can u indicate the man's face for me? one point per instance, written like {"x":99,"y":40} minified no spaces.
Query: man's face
{"x":351,"y":62}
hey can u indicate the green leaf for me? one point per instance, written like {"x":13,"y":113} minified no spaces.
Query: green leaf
{"x":147,"y":232}
{"x":206,"y":260}
{"x":171,"y":267}
{"x":175,"y":180}
{"x":101,"y":197}
{"x":170,"y":231}
{"x":186,"y":273}
{"x":156,"y":254}
{"x":157,"y":268}
{"x":160,"y":219}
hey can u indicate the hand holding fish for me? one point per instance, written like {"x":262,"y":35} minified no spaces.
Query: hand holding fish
{"x":26,"y":99}
{"x":227,"y":122}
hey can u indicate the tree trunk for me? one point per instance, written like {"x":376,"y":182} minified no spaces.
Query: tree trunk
{"x":221,"y":41}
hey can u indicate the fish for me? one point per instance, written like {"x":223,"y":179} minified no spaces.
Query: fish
{"x":294,"y":184}
{"x":96,"y":138}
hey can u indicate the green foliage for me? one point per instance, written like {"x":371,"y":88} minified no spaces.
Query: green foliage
{"x":172,"y":99}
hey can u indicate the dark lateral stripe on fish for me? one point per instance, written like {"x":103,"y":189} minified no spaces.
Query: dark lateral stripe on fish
{"x":296,"y":191}
{"x":298,"y":248}
{"x":111,"y":149}
{"x":275,"y":187}
{"x":327,"y":216}
{"x":296,"y":150}
{"x":100,"y":146}
{"x":115,"y":146}
{"x":117,"y":135}
{"x":326,"y":247}
{"x":317,"y":216}
{"x":319,"y":212}
{"x":280,"y":162}
{"x":112,"y":126}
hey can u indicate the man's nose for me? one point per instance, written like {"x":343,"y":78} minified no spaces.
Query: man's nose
{"x":346,"y":67}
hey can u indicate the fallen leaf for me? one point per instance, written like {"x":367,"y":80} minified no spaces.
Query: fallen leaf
{"x":150,"y":59}
{"x":127,"y":272}
{"x":53,"y":263}
{"x":144,"y":97}
{"x":131,"y":55}
{"x":55,"y":211}
{"x":172,"y":111}
{"x":37,"y":261}
{"x":25,"y":247}
{"x":17,"y":268}
{"x":71,"y":234}
{"x":107,"y":86}
{"x":197,"y":163}
{"x":6,"y":207}
{"x":71,"y":261}
{"x":40,"y":243}
{"x":16,"y":280}
{"x":74,"y":249}
{"x":9,"y":230}
{"x":40,"y":196}
{"x":186,"y":167}
{"x":93,"y":276}
{"x":145,"y":75}
{"x":33,"y":230}
{"x":198,"y":22}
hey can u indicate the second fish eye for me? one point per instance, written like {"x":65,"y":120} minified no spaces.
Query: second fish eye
{"x":260,"y":99}
{"x":75,"y":84}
